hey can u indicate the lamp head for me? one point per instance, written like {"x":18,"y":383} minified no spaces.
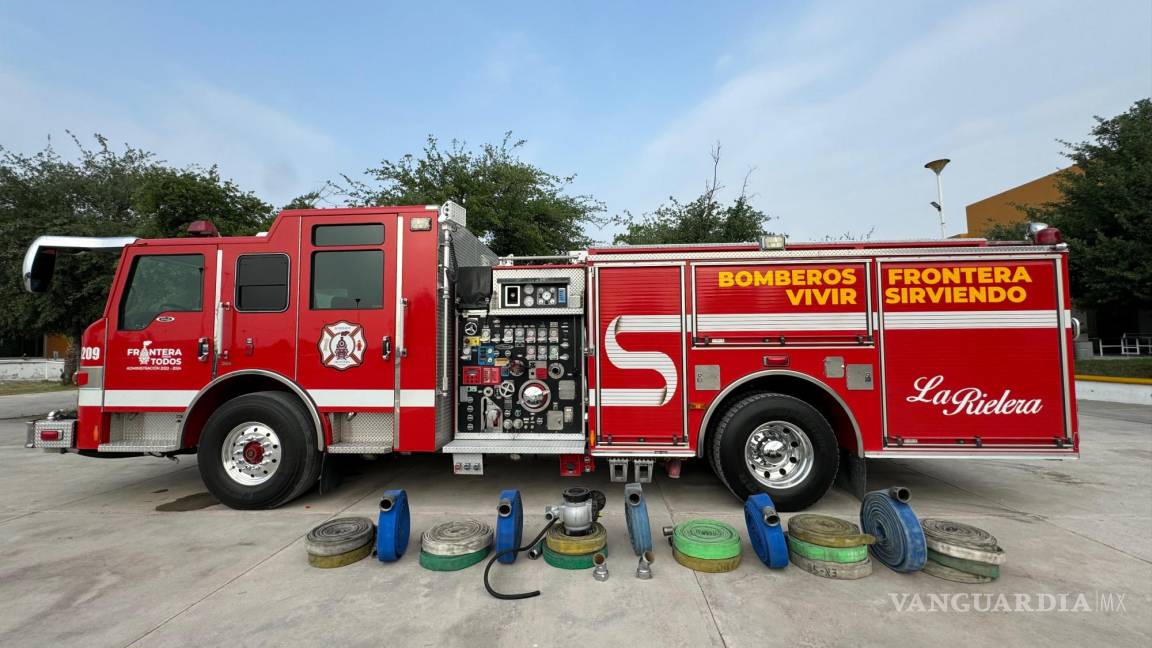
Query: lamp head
{"x":937,"y":165}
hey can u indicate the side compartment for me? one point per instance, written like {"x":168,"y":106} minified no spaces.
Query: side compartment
{"x":974,"y":357}
{"x":641,"y":347}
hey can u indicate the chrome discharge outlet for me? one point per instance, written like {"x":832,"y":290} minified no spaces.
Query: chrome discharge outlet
{"x":644,"y":567}
{"x":600,"y":572}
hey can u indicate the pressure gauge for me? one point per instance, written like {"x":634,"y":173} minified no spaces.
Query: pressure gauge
{"x":529,"y":289}
{"x":529,"y":301}
{"x":545,"y":296}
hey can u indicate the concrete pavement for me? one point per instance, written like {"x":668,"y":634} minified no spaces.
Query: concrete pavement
{"x":29,"y":405}
{"x":88,"y":559}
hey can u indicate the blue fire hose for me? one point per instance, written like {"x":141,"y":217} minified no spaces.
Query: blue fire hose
{"x":765,"y":532}
{"x":509,"y":525}
{"x":393,"y":526}
{"x":636,"y":515}
{"x":900,"y":542}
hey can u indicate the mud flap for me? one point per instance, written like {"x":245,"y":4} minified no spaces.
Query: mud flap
{"x":853,"y":474}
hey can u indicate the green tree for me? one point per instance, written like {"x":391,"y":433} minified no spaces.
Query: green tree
{"x":701,"y":220}
{"x":1105,"y":212}
{"x":168,"y":199}
{"x":513,"y":206}
{"x":1016,"y":230}
{"x":103,"y":192}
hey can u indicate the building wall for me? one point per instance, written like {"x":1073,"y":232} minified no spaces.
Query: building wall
{"x":55,"y":347}
{"x":1001,"y":208}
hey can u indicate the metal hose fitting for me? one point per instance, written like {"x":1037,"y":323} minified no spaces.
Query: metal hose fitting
{"x":600,"y":572}
{"x":644,"y":567}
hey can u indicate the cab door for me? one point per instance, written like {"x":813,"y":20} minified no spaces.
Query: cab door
{"x":160,"y":333}
{"x":256,"y":330}
{"x":346,"y":341}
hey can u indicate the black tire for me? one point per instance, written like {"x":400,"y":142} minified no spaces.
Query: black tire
{"x":299,"y":459}
{"x":738,"y":423}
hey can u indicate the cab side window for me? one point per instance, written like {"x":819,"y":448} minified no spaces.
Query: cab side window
{"x":161,"y":283}
{"x":347,"y":280}
{"x":262,"y":283}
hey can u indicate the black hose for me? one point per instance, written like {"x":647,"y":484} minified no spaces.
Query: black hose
{"x":488,"y":567}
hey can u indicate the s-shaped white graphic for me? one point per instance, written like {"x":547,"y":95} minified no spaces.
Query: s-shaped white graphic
{"x":650,"y":360}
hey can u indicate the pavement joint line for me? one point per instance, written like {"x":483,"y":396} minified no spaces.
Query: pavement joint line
{"x":258,"y":564}
{"x":695,"y":576}
{"x":90,"y":495}
{"x":1039,"y":518}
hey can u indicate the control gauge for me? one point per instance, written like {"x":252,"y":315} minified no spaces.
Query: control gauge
{"x":545,"y":296}
{"x":529,"y":301}
{"x":529,"y":289}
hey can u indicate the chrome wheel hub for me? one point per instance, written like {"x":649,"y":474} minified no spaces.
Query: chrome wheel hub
{"x":250,"y":453}
{"x":778,"y":454}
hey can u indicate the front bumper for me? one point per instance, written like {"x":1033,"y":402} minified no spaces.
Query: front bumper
{"x":51,"y":433}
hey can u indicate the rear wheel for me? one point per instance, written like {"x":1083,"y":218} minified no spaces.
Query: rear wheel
{"x":259,"y":451}
{"x":775,"y":444}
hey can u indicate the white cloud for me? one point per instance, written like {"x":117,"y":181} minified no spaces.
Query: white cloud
{"x":260,"y":146}
{"x":839,"y":114}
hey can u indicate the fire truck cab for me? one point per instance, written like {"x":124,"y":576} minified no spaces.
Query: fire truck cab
{"x":395,"y":329}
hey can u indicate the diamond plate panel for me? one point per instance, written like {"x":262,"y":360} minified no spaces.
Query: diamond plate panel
{"x":66,"y":427}
{"x":371,"y":430}
{"x":575,"y":275}
{"x":143,"y":432}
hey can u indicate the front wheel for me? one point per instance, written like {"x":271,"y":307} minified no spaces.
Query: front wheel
{"x":259,"y":451}
{"x":775,"y":444}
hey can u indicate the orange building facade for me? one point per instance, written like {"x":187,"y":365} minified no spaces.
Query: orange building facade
{"x":1002,"y":209}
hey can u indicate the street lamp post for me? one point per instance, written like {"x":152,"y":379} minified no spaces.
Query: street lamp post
{"x":937,"y":166}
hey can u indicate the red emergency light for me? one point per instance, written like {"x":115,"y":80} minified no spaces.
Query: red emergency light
{"x":1049,"y":236}
{"x":202,"y":228}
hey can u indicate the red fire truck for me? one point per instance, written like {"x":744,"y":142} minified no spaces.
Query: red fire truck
{"x":395,"y":329}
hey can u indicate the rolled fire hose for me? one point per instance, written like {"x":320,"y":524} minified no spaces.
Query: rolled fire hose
{"x":961,"y":540}
{"x":636,"y":515}
{"x":454,"y":545}
{"x":827,"y":531}
{"x":456,"y":538}
{"x":828,"y":554}
{"x":340,"y":560}
{"x":456,"y":562}
{"x":933,"y":568}
{"x":706,"y":539}
{"x":900,"y":542}
{"x":765,"y":531}
{"x":339,"y":542}
{"x":572,"y":561}
{"x":713,"y":566}
{"x":562,"y":543}
{"x":509,"y":526}
{"x":393,"y":526}
{"x":967,"y":566}
{"x":839,"y":571}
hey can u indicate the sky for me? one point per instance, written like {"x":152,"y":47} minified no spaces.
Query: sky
{"x":830,"y":109}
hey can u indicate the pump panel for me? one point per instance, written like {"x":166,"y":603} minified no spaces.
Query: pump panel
{"x":519,"y":375}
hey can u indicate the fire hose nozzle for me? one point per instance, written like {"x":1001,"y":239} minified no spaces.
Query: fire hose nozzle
{"x":900,"y":494}
{"x":771,"y":517}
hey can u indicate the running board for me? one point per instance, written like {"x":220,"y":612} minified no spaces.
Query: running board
{"x":358,"y":448}
{"x":515,"y":446}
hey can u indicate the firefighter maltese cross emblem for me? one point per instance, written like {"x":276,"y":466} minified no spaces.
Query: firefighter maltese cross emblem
{"x":342,"y":345}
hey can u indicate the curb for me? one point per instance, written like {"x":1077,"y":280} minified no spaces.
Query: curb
{"x":1114,"y":390}
{"x":1116,"y":379}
